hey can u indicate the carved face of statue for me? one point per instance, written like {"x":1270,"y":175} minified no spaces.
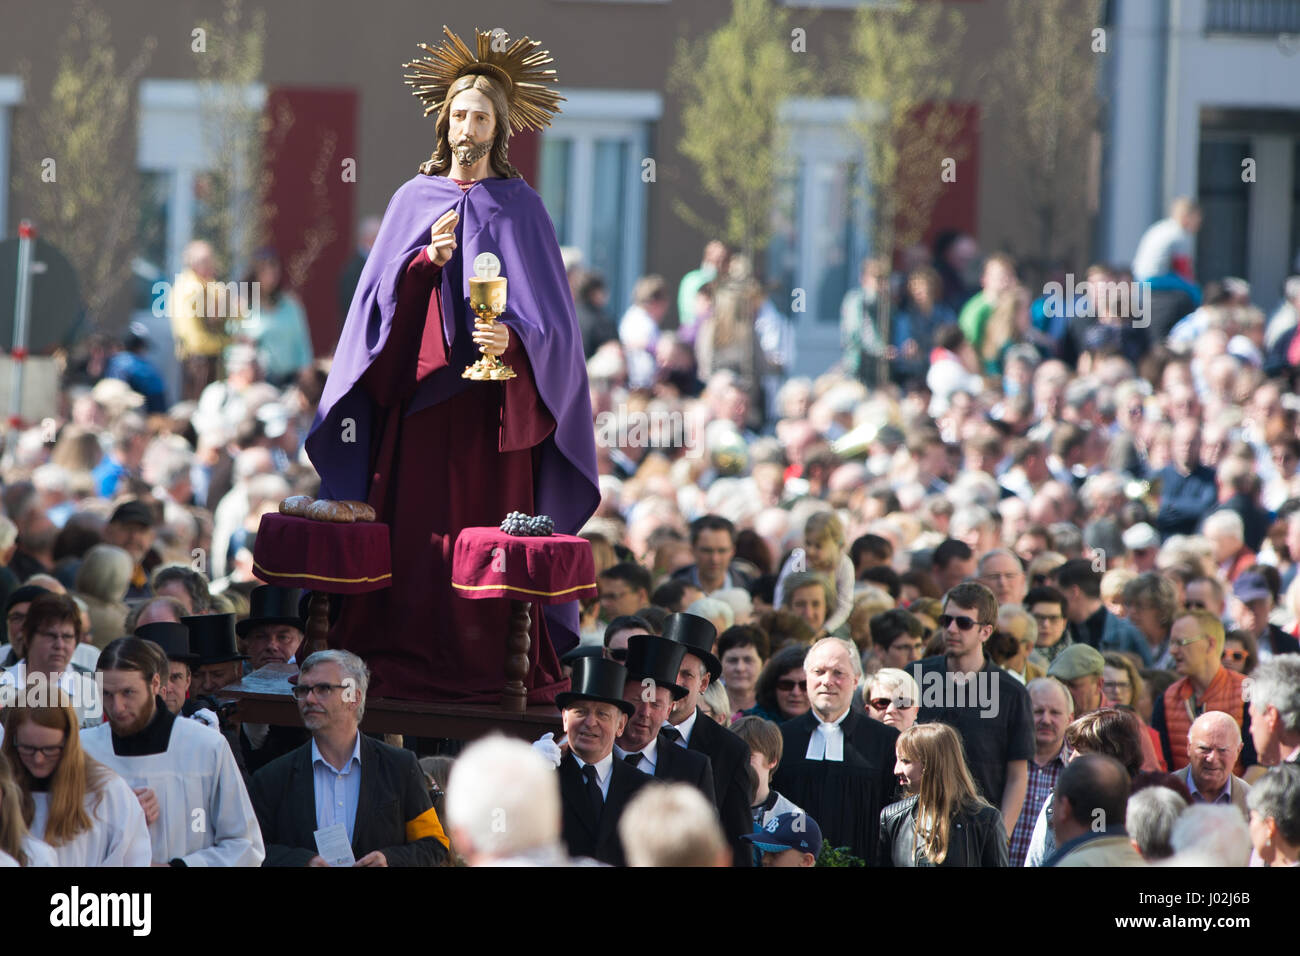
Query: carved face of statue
{"x":472,"y":124}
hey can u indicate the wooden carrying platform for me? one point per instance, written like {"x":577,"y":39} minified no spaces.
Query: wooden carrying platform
{"x":265,"y":697}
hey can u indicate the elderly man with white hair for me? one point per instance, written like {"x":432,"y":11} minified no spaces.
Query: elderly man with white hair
{"x":837,"y":764}
{"x":503,"y":806}
{"x":1213,"y":746}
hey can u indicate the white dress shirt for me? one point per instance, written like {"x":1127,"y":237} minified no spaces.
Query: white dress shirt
{"x":684,"y":728}
{"x":827,"y":741}
{"x":649,"y":756}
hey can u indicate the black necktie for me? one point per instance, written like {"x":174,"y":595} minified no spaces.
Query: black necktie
{"x":672,"y":733}
{"x":633,"y":759}
{"x":593,"y":789}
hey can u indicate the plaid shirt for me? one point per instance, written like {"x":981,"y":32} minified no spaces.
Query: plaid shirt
{"x":1041,"y":782}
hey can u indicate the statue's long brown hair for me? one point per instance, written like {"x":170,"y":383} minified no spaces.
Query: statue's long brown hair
{"x":440,"y":162}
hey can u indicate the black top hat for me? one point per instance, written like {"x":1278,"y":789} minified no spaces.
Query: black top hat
{"x":698,"y":634}
{"x":595,"y":678}
{"x":173,"y":638}
{"x":212,"y":638}
{"x":270,"y":604}
{"x":656,"y":658}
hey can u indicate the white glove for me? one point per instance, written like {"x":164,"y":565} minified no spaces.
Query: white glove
{"x":206,"y":717}
{"x":548,"y":748}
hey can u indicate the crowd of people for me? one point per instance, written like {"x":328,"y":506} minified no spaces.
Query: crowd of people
{"x":1014,"y":583}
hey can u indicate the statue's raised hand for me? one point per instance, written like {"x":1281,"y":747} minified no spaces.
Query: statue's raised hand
{"x":442,"y":238}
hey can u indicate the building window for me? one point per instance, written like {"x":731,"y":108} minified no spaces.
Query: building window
{"x":175,"y":168}
{"x":819,"y":223}
{"x":1222,"y":242}
{"x":590,"y":179}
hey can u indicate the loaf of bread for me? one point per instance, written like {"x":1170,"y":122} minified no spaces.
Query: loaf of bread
{"x":335,"y":511}
{"x":296,"y":505}
{"x":361,"y":510}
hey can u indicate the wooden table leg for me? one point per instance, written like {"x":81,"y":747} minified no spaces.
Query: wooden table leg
{"x":318,"y":625}
{"x":515,"y":696}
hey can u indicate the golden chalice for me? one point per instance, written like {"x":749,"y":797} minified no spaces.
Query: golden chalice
{"x":487,"y":300}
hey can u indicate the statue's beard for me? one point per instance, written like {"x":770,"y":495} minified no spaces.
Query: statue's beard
{"x":468,"y":152}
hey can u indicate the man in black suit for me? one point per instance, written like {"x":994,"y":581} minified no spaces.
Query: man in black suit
{"x":728,"y":753}
{"x":652,"y":666}
{"x":595,"y":788}
{"x":272,"y":634}
{"x":341,"y":776}
{"x":713,"y":542}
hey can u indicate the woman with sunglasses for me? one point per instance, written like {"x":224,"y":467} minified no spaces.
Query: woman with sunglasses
{"x":83,"y":810}
{"x":782,"y":689}
{"x":943,"y":821}
{"x":892,"y":697}
{"x":1240,"y":651}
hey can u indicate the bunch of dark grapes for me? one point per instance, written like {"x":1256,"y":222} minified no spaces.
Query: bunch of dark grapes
{"x":527,"y":526}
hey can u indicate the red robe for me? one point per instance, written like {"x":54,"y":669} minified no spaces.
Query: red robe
{"x":465,"y":462}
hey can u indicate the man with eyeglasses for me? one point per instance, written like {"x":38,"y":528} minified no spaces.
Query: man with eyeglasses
{"x":1004,"y":575}
{"x":837,"y":764}
{"x":342,"y":777}
{"x":987,"y":706}
{"x":624,"y":590}
{"x":1196,"y":642}
{"x":899,"y":637}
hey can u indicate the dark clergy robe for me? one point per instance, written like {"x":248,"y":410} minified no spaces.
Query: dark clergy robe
{"x":394,"y":812}
{"x":730,"y":757}
{"x":586,"y":834}
{"x":280,"y":740}
{"x":844,"y":797}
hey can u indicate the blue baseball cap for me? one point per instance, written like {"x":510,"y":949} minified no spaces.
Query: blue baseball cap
{"x":788,"y":831}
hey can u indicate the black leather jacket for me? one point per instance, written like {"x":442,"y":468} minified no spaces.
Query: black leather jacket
{"x":975,"y":839}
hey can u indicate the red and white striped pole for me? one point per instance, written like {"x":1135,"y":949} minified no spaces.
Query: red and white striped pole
{"x":22,"y":317}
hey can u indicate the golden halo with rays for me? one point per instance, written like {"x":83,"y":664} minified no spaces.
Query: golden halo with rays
{"x":519,"y":69}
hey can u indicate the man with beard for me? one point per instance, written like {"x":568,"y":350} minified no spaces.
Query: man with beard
{"x":727,"y":752}
{"x":396,"y":399}
{"x":838,"y":765}
{"x":183,"y":773}
{"x":652,"y":667}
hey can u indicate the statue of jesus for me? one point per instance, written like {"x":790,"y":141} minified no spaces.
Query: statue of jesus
{"x":399,"y":427}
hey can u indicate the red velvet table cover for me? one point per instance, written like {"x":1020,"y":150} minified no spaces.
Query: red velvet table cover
{"x":488,"y":563}
{"x":295,"y":552}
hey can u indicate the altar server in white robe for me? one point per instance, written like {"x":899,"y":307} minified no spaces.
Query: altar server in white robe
{"x":86,"y":813}
{"x":183,"y":773}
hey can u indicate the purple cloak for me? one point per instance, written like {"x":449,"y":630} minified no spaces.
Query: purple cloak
{"x":507,"y":218}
